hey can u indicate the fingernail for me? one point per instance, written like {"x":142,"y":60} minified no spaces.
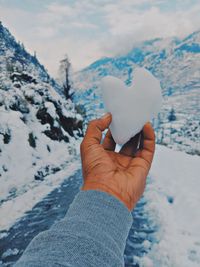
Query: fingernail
{"x":106,"y":115}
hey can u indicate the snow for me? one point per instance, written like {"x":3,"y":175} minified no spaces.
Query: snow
{"x":173,"y":204}
{"x":131,"y":107}
{"x":10,"y":252}
{"x":51,"y":109}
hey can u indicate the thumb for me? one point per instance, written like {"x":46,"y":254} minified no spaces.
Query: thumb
{"x":95,"y":128}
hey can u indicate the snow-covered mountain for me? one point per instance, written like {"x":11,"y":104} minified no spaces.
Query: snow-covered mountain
{"x":38,"y":128}
{"x":176,"y":63}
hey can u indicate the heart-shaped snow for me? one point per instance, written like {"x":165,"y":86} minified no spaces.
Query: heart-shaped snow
{"x":131,"y":107}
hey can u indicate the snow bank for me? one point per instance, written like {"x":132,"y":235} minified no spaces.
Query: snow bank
{"x":39,"y":131}
{"x":173,"y":199}
{"x":12,"y":210}
{"x":29,"y":172}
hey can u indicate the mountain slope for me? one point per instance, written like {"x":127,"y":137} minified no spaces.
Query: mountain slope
{"x":176,"y":63}
{"x":38,"y":128}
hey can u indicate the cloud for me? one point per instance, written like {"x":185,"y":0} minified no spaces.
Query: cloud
{"x":127,"y":27}
{"x":51,"y":34}
{"x":83,"y":25}
{"x":60,"y":10}
{"x":151,"y":22}
{"x":80,"y":54}
{"x":87,"y":30}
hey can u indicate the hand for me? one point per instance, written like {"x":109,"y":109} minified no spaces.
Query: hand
{"x":122,"y":175}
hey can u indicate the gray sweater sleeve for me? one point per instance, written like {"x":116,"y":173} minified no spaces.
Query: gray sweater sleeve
{"x":92,"y":234}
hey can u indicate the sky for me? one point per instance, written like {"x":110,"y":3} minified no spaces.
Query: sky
{"x":87,"y":30}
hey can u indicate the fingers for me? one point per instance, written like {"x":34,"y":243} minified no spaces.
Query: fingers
{"x":108,"y":142}
{"x":147,"y":148}
{"x":94,"y":131}
{"x":131,"y":146}
{"x":141,"y":162}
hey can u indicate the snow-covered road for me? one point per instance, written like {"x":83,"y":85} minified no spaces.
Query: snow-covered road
{"x":165,"y":230}
{"x":52,"y":208}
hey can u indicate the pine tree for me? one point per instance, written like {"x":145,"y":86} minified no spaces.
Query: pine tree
{"x":65,"y":67}
{"x":172,"y":116}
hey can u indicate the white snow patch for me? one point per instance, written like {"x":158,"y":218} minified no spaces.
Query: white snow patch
{"x":173,"y":203}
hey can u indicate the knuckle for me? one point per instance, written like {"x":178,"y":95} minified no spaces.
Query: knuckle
{"x":92,"y":123}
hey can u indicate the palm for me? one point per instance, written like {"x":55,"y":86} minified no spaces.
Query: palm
{"x":116,"y":170}
{"x":120,"y":161}
{"x":104,"y":162}
{"x":124,"y":173}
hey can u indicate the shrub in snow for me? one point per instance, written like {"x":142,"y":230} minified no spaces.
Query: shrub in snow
{"x":44,"y":171}
{"x":19,"y":104}
{"x":32,"y":140}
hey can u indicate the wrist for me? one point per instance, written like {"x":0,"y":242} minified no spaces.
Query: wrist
{"x":104,"y":188}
